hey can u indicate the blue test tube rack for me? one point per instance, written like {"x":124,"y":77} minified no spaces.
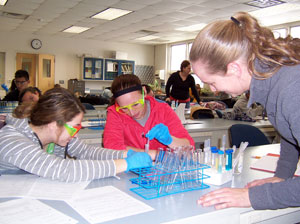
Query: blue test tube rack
{"x":159,"y":180}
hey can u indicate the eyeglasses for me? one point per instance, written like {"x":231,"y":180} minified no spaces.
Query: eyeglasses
{"x":20,"y":82}
{"x":72,"y":130}
{"x":132,"y":106}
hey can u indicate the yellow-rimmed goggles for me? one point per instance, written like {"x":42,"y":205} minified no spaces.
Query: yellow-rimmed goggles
{"x":131,"y":106}
{"x":72,"y":130}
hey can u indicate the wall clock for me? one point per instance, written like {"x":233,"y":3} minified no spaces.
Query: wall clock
{"x":36,"y":44}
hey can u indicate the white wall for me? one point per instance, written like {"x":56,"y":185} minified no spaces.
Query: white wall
{"x":160,"y":57}
{"x":66,"y":52}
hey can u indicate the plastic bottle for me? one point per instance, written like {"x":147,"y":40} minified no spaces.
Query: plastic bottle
{"x":228,"y":157}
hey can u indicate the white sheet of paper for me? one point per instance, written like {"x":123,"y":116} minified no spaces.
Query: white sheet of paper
{"x":29,"y":211}
{"x":268,"y":163}
{"x":55,"y":190}
{"x":107,"y":203}
{"x":36,"y":187}
{"x":15,"y":185}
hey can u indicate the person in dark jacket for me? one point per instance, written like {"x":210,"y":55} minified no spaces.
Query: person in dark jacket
{"x":22,"y":81}
{"x":181,"y":81}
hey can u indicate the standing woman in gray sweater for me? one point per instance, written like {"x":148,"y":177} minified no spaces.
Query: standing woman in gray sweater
{"x":45,"y":143}
{"x":237,"y":55}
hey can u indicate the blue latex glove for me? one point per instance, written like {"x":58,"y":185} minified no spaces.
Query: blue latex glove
{"x":137,"y":160}
{"x":161,"y":133}
{"x":130,"y":152}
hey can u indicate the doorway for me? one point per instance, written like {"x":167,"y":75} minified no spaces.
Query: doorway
{"x":40,"y":68}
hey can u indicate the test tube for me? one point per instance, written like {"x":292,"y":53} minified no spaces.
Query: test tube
{"x":228,"y":156}
{"x":223,"y":143}
{"x":207,"y":156}
{"x":221,"y":159}
{"x":214,"y":156}
{"x":147,"y":146}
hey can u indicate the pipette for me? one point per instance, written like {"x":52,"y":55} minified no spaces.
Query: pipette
{"x":147,"y":146}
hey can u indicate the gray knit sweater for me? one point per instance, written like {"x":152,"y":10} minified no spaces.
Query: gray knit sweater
{"x":280,"y":95}
{"x":20,"y":149}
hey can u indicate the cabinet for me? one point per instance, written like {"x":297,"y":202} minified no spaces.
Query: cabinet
{"x":93,"y":68}
{"x":114,"y":67}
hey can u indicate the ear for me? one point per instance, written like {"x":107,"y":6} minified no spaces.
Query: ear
{"x":234,"y":68}
{"x":52,"y":126}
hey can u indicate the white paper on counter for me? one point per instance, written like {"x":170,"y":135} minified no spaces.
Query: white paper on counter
{"x":30,"y":211}
{"x":33,"y":186}
{"x":107,"y":203}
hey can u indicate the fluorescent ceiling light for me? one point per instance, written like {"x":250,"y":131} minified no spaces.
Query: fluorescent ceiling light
{"x":3,"y":2}
{"x":76,"y":29}
{"x":149,"y":37}
{"x":275,"y":11}
{"x":195,"y":27}
{"x":111,"y":14}
{"x":264,"y":3}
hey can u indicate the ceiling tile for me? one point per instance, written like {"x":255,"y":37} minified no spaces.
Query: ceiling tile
{"x":50,"y":17}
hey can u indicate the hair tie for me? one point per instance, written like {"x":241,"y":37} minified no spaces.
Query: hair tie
{"x":236,"y":21}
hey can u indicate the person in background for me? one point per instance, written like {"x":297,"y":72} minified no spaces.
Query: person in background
{"x":133,"y":118}
{"x":13,"y":85}
{"x":180,"y":82}
{"x":193,"y":98}
{"x":107,"y":94}
{"x":22,"y":81}
{"x":241,"y":105}
{"x":46,"y":145}
{"x":30,"y":94}
{"x":237,"y":55}
{"x":148,"y":90}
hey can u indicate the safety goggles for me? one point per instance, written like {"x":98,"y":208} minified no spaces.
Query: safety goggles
{"x":132,"y":106}
{"x":72,"y":130}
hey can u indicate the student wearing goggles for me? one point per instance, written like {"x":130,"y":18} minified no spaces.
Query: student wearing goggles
{"x":72,"y":130}
{"x":134,"y":119}
{"x":133,"y":106}
{"x":44,"y":144}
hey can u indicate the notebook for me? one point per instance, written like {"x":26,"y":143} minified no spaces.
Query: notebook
{"x":268,"y":163}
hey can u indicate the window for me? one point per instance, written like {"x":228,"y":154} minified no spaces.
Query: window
{"x":178,"y":54}
{"x":280,"y":33}
{"x":198,"y":81}
{"x":295,"y":32}
{"x":190,"y":46}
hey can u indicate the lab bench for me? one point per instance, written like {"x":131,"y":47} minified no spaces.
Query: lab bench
{"x":182,"y":208}
{"x":200,"y":131}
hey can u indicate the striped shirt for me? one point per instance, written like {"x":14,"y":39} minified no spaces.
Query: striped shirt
{"x":20,"y":150}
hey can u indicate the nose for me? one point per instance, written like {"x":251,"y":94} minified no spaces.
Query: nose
{"x":131,"y":112}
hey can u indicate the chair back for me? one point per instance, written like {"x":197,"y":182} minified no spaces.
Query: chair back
{"x":88,"y":106}
{"x":246,"y":133}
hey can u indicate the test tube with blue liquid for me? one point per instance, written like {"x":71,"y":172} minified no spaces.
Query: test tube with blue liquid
{"x":228,"y":157}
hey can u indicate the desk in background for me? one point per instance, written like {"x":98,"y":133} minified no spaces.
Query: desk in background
{"x":182,"y":208}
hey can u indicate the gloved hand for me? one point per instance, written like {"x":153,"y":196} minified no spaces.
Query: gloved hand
{"x":161,"y":133}
{"x":137,"y":160}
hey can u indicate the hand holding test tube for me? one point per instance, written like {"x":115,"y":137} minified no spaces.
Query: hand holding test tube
{"x":161,"y":133}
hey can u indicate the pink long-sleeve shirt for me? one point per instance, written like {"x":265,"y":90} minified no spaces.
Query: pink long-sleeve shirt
{"x":122,"y":131}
